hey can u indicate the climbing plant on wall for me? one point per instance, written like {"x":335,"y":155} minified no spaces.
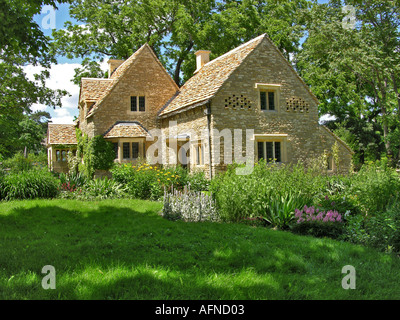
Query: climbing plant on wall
{"x":93,"y":153}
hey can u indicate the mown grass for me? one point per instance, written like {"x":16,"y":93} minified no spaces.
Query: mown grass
{"x":123,"y":249}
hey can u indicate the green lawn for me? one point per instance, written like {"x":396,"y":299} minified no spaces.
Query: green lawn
{"x":122,"y":249}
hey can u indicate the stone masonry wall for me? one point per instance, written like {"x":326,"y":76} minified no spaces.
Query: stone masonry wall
{"x":145,"y":77}
{"x":305,"y":138}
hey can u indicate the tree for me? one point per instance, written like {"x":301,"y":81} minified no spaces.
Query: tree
{"x":174,"y":29}
{"x":355,"y":71}
{"x":21,"y":43}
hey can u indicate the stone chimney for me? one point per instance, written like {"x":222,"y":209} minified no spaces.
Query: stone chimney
{"x":113,"y":64}
{"x":202,"y":57}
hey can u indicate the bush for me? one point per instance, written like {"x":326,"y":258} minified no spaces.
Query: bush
{"x":19,"y":163}
{"x":36,"y":183}
{"x":72,"y":181}
{"x":270,"y":191}
{"x":148,"y":182}
{"x":381,"y":231}
{"x":96,"y":189}
{"x":103,"y":189}
{"x":374,"y":187}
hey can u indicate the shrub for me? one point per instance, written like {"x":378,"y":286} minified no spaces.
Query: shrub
{"x":96,"y":189}
{"x":189,"y":206}
{"x":72,"y":181}
{"x":18,"y":163}
{"x":148,"y":182}
{"x":102,"y":189}
{"x":380,"y":231}
{"x":271,"y":191}
{"x":36,"y":183}
{"x":375,"y":187}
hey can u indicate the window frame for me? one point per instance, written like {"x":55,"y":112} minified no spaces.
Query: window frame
{"x":138,"y":103}
{"x":268,"y":89}
{"x":266,"y":156}
{"x":271,"y":138}
{"x":199,"y":154}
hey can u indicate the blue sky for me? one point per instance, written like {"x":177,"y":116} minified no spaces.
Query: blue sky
{"x":62,"y":73}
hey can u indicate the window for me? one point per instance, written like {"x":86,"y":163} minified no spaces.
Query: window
{"x":200,"y":155}
{"x":61,"y":155}
{"x":267,"y":100}
{"x":125,"y":150}
{"x":329,"y":162}
{"x":138,"y":103}
{"x":135,"y":150}
{"x":133,"y":103}
{"x":269,"y":150}
{"x":142,"y":104}
{"x":115,"y":146}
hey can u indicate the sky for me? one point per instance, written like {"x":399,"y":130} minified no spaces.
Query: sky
{"x":61,"y":73}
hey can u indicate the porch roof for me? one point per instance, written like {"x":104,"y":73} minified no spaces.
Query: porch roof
{"x":122,"y":129}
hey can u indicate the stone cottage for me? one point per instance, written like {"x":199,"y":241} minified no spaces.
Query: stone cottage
{"x":245,"y":105}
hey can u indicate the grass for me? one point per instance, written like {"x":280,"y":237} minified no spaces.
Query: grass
{"x":122,"y":249}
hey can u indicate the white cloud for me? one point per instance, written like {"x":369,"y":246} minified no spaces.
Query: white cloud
{"x":326,"y":117}
{"x":60,"y":78}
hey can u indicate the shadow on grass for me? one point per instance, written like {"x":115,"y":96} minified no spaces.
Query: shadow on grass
{"x":125,"y":250}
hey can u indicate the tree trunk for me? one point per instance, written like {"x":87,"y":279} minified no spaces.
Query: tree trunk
{"x":180,"y":61}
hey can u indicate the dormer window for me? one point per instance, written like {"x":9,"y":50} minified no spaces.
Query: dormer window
{"x":138,"y":103}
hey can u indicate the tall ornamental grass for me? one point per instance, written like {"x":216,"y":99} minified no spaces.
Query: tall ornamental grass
{"x":271,"y":191}
{"x":30,"y":184}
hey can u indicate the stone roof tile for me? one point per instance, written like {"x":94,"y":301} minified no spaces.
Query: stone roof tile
{"x":127,"y":130}
{"x":61,"y":134}
{"x":209,"y":79}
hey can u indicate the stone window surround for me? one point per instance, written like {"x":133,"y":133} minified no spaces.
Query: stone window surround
{"x":268,"y":87}
{"x":121,"y":141}
{"x":138,"y":96}
{"x":282,"y":138}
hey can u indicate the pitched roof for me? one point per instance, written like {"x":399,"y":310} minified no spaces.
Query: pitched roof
{"x":94,"y":89}
{"x":120,"y":71}
{"x":61,"y":134}
{"x":205,"y":84}
{"x":122,"y":129}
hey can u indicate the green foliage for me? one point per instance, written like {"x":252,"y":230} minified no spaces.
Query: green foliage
{"x":319,"y":229}
{"x":270,"y":191}
{"x":148,"y":182}
{"x":354,"y":72}
{"x":29,"y":184}
{"x":375,"y":187}
{"x":20,"y":163}
{"x":92,"y":154}
{"x":174,"y":28}
{"x":381,"y":231}
{"x":102,"y":189}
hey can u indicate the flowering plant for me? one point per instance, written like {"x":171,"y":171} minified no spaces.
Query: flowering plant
{"x":313,"y":214}
{"x":319,"y":223}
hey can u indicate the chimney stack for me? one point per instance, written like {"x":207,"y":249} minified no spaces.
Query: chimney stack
{"x":112,"y":65}
{"x":202,"y":57}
